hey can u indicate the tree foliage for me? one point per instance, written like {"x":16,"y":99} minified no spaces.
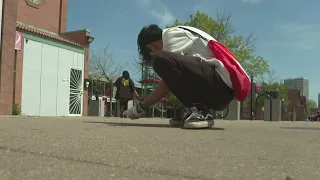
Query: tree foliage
{"x":270,"y":82}
{"x":103,"y":67}
{"x":311,"y":104}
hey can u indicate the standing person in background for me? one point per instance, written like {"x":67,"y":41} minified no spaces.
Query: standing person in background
{"x":125,"y":91}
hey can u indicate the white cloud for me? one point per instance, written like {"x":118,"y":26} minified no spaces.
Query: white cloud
{"x":158,"y":10}
{"x":298,"y":35}
{"x":252,"y":1}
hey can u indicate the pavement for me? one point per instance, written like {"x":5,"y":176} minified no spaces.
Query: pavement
{"x":92,"y":148}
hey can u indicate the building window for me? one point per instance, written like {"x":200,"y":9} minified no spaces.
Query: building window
{"x":35,"y":3}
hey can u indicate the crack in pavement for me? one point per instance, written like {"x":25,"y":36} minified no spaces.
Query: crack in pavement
{"x":147,"y":170}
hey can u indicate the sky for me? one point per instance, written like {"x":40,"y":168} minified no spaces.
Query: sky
{"x":288,"y":31}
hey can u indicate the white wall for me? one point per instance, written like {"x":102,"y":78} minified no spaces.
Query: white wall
{"x":45,"y":79}
{"x":31,"y":73}
{"x":63,"y":82}
{"x":48,"y":83}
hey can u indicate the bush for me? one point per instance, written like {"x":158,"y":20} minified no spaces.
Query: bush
{"x":16,"y":109}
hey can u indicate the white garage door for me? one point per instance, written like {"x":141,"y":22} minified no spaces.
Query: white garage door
{"x":52,"y":80}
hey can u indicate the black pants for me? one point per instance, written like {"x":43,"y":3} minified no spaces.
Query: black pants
{"x":123,"y":105}
{"x":193,"y":82}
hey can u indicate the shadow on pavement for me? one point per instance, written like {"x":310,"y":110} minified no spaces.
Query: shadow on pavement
{"x":302,"y":128}
{"x":144,"y":125}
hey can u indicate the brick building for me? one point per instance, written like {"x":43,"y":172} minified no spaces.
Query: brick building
{"x":43,"y":68}
{"x":297,"y":105}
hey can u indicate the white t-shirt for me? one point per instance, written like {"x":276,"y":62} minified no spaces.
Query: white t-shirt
{"x":176,"y":39}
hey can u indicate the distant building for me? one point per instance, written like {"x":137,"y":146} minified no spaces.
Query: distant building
{"x":300,"y":83}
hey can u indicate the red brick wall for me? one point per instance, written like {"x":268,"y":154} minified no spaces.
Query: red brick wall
{"x":52,"y":15}
{"x":294,"y":101}
{"x":86,"y":76}
{"x":7,"y":56}
{"x":293,"y":97}
{"x":18,"y":84}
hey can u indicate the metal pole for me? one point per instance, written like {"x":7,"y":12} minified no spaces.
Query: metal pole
{"x":162,"y":109}
{"x":91,"y":88}
{"x":153,"y":85}
{"x":251,"y":99}
{"x":111,"y":95}
{"x":270,"y":109}
{"x":104,"y":97}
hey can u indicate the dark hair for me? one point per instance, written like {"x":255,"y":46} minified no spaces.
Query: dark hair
{"x":126,"y":74}
{"x":147,"y":35}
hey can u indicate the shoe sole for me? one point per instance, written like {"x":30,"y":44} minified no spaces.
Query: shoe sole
{"x":175,"y":123}
{"x":198,"y":125}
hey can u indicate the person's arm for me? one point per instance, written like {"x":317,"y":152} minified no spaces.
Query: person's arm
{"x":160,"y":92}
{"x":177,"y":40}
{"x":133,"y":89}
{"x":118,"y":82}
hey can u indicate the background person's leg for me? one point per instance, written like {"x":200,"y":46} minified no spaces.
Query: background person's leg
{"x":122,"y":108}
{"x":125,"y":105}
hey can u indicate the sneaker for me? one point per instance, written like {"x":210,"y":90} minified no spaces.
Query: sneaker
{"x":208,"y":116}
{"x":175,"y":122}
{"x":195,"y":120}
{"x":179,"y":114}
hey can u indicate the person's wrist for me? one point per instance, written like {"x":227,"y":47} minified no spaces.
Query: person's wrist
{"x":140,"y":108}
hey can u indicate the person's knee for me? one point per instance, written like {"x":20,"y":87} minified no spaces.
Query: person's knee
{"x":164,"y":59}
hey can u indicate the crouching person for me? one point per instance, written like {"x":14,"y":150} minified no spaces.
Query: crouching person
{"x":201,"y":72}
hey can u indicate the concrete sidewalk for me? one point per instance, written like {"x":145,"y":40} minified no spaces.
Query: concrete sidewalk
{"x":37,"y":148}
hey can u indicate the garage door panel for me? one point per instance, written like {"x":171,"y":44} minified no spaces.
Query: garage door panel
{"x":49,"y":72}
{"x":65,"y":62}
{"x":30,"y":104}
{"x":75,"y":59}
{"x":45,"y":81}
{"x":80,"y":60}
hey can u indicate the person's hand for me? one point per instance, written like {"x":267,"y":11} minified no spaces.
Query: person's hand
{"x":134,"y":112}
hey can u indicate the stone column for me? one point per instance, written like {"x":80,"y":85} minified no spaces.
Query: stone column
{"x":276,"y":110}
{"x":234,"y":111}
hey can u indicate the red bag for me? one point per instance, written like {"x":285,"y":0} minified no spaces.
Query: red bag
{"x":239,"y":78}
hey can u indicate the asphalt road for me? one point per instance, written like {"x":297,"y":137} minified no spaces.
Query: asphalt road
{"x":36,"y":148}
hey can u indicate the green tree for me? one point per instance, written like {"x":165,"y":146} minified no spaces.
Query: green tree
{"x":311,"y":104}
{"x":276,"y":86}
{"x":270,"y":82}
{"x":102,"y":66}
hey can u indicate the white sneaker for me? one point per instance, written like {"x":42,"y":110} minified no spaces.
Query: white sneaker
{"x":175,"y":122}
{"x":197,"y":121}
{"x":192,"y":124}
{"x":198,"y":124}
